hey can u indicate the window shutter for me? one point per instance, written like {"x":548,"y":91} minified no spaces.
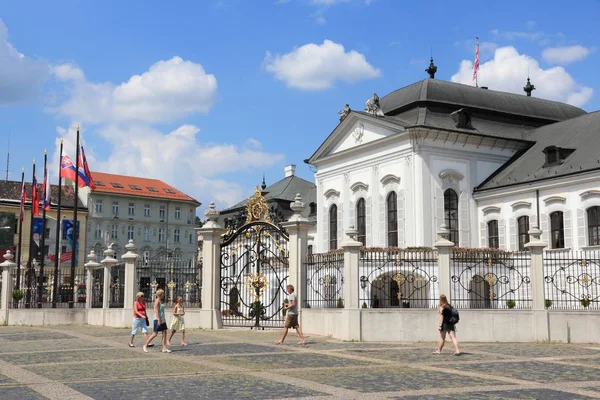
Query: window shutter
{"x":483,"y":234}
{"x":439,"y":209}
{"x":581,"y":228}
{"x":340,"y":226}
{"x":502,"y":234}
{"x":512,"y":232}
{"x":545,"y":227}
{"x":382,"y":221}
{"x":325,"y":224}
{"x":369,"y":213}
{"x":463,"y":220}
{"x":568,"y":223}
{"x":401,"y":233}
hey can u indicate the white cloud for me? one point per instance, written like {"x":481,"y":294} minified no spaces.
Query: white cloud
{"x":119,"y":129}
{"x":565,"y":55}
{"x":318,"y":67}
{"x":508,"y":71}
{"x":540,"y":37}
{"x":21,"y":77}
{"x":167,"y":91}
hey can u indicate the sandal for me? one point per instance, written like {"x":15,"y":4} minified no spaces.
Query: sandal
{"x":458,"y":354}
{"x":302,"y":343}
{"x":130,"y":345}
{"x":278,"y":342}
{"x":437,"y":352}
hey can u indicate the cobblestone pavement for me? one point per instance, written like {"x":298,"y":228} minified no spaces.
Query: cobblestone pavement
{"x":81,"y":362}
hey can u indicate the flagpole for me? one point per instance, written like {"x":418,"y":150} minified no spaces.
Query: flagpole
{"x":30,"y":260}
{"x":43,"y":239}
{"x":74,"y":235}
{"x":20,"y":234}
{"x":58,"y":235}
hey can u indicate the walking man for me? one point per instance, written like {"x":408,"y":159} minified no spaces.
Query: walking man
{"x":291,"y":321}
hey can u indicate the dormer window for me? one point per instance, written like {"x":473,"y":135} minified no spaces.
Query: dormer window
{"x":313,"y":208}
{"x":556,"y":155}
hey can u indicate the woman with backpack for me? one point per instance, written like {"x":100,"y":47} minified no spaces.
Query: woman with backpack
{"x":448,"y":319}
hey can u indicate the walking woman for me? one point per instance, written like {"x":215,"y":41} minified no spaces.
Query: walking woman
{"x":177,"y":323}
{"x":139,"y":318}
{"x":160,"y":323}
{"x":445,"y":326}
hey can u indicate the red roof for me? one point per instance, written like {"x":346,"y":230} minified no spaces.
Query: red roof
{"x":132,"y":185}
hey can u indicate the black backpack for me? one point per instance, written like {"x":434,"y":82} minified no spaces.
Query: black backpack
{"x":454,"y":316}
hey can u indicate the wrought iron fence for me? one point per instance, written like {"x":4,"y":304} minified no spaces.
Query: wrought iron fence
{"x":176,"y":276}
{"x":324,"y":280}
{"x":117,"y":287}
{"x":490,"y":279}
{"x":37,"y":290}
{"x":97,"y":288}
{"x":572,"y":280}
{"x":398,"y":278}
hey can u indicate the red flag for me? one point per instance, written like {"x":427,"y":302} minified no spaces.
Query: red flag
{"x":87,"y":175}
{"x":46,"y":190}
{"x":35,"y":199}
{"x":66,"y":256}
{"x":23,"y":200}
{"x":476,"y":65}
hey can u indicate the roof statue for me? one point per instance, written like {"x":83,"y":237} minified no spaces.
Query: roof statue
{"x":529,"y":88}
{"x":372,"y":106}
{"x":344,"y":112}
{"x":432,"y":69}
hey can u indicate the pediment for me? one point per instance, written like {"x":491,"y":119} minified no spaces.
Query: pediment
{"x":589,"y":194}
{"x":356,"y":130}
{"x":555,"y":200}
{"x":520,"y":205}
{"x":355,"y":187}
{"x":389,"y":178}
{"x":491,"y":210}
{"x":331,"y":193}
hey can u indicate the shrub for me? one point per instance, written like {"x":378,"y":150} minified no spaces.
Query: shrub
{"x":585,"y":302}
{"x":548,"y":303}
{"x":17,"y":295}
{"x":340,"y":303}
{"x":364,"y":305}
{"x":511,"y":304}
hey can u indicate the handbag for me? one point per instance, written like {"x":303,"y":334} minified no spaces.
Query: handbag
{"x":147,"y":322}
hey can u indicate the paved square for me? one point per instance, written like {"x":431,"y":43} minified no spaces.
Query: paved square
{"x":82,"y":362}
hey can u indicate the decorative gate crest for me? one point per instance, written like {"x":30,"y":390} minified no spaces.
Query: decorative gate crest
{"x":257,"y":208}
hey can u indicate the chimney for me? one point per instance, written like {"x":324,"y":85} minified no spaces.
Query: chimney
{"x":290,"y":170}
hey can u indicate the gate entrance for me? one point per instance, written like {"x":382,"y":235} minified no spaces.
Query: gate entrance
{"x":254,"y":270}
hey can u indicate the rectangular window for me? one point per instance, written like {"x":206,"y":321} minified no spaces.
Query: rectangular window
{"x":169,"y":191}
{"x":98,"y":232}
{"x":557,"y":230}
{"x":63,"y":249}
{"x":176,"y":235}
{"x":333,"y":227}
{"x":130,"y":232}
{"x":146,"y":234}
{"x":64,"y":234}
{"x":177,"y":212}
{"x":523,"y":231}
{"x":192,"y":238}
{"x":392,"y":219}
{"x":161,"y":234}
{"x":593,"y":218}
{"x":493,"y":239}
{"x":162,"y":211}
{"x":116,"y":185}
{"x":131,"y":209}
{"x":114,"y":233}
{"x":146,"y":210}
{"x":135,"y":187}
{"x":152,"y":189}
{"x":99,"y":183}
{"x":99,"y":206}
{"x":115,"y":208}
{"x":47,"y":234}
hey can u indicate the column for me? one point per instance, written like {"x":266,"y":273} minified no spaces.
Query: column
{"x":444,"y":247}
{"x":210,"y":316}
{"x":130,"y":279}
{"x":351,"y":312}
{"x":107,"y":263}
{"x":536,"y":274}
{"x":7,"y":269}
{"x":297,"y":227}
{"x":89,"y":277}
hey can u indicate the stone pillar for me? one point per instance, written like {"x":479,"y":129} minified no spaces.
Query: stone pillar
{"x":351,"y":312}
{"x":130,"y":278}
{"x":444,"y":247}
{"x":210,"y":315}
{"x":107,"y":263}
{"x":89,"y":278}
{"x":297,"y":227}
{"x":7,"y":267}
{"x":540,"y":315}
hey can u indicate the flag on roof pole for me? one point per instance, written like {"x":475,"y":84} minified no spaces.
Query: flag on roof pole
{"x":46,"y":188}
{"x":87,"y":175}
{"x":476,"y":64}
{"x":35,"y":198}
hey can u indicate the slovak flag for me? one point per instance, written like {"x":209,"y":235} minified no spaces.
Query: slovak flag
{"x":35,"y":199}
{"x":67,"y":170}
{"x":23,"y":200}
{"x":46,"y":189}
{"x":86,"y":170}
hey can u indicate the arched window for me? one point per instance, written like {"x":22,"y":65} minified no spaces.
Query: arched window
{"x":361,"y":221}
{"x":493,"y":241}
{"x":451,"y":214}
{"x":557,"y":230}
{"x":593,"y":215}
{"x":392,"y":219}
{"x":523,"y":231}
{"x":333,"y":222}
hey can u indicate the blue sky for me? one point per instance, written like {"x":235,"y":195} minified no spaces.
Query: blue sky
{"x":209,"y":95}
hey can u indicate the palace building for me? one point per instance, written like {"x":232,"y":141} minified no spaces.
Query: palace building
{"x":489,"y":165}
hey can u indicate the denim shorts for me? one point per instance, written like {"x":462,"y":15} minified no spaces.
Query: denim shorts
{"x":138,"y":323}
{"x":157,"y":328}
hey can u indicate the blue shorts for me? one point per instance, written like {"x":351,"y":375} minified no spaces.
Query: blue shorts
{"x":138,"y":323}
{"x":162,"y":327}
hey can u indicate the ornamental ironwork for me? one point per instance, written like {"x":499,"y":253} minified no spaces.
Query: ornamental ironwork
{"x":572,"y":280}
{"x":324,"y":280}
